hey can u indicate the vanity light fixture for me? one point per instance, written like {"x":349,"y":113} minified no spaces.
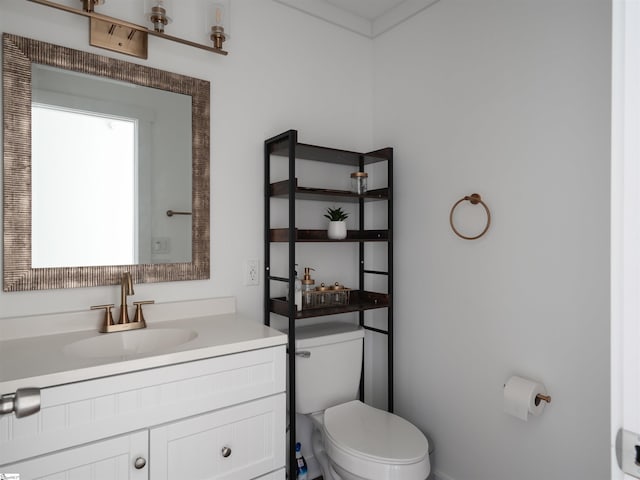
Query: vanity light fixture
{"x":132,"y":39}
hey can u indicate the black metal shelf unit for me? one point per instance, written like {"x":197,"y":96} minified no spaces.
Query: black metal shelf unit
{"x":286,"y":145}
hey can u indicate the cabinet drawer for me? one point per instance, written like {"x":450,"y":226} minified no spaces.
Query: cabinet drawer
{"x":106,"y":460}
{"x":236,"y":443}
{"x":84,"y":412}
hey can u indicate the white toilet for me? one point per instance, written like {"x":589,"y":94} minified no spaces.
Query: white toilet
{"x":351,"y":440}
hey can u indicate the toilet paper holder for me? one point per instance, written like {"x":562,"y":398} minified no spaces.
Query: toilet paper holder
{"x":539,"y":397}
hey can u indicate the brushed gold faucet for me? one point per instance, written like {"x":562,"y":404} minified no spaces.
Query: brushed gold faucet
{"x":126,"y":289}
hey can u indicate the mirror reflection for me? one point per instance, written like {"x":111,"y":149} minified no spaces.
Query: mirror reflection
{"x":109,"y":159}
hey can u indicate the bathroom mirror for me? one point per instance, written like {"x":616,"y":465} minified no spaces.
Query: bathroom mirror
{"x":138,"y":197}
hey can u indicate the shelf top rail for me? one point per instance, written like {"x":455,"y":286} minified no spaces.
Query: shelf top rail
{"x":279,"y":146}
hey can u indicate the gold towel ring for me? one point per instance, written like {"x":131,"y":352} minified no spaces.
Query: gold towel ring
{"x":474,"y":198}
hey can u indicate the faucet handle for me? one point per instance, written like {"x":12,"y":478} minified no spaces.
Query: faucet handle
{"x":139,"y":317}
{"x":108,"y":317}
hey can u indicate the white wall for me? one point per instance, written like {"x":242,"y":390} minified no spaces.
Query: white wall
{"x":507,"y":98}
{"x":285,"y":70}
{"x":510,"y":99}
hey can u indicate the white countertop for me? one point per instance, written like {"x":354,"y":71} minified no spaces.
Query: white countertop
{"x":41,"y":361}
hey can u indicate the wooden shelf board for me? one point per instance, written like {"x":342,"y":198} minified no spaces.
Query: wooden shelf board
{"x":281,"y":189}
{"x":359,"y":301}
{"x":330,"y":155}
{"x":282,"y":235}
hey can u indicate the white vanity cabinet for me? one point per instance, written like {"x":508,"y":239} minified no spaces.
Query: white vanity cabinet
{"x":216,"y":418}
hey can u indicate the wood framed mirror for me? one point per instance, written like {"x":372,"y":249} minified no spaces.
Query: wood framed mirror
{"x":149,"y":252}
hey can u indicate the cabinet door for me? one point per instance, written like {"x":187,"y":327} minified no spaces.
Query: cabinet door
{"x":279,"y":475}
{"x":236,"y":443}
{"x":112,"y":459}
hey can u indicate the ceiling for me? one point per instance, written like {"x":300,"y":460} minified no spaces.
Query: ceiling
{"x":365,"y":17}
{"x":369,"y":9}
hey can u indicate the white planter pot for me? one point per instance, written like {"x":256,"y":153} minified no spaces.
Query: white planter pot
{"x":337,"y":230}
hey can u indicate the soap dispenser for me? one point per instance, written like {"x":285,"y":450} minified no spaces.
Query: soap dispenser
{"x":308,"y":286}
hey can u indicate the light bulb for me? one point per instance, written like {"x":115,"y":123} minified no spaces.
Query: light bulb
{"x":217,"y":19}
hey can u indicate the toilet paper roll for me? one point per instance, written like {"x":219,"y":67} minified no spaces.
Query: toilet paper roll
{"x":520,"y":397}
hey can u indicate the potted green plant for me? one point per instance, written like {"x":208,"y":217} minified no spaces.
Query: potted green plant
{"x":337,"y":226}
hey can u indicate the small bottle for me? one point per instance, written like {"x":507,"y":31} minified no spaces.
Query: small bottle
{"x":298,"y":292}
{"x":321,"y":295}
{"x":338,"y":294}
{"x":301,"y":464}
{"x":308,"y":286}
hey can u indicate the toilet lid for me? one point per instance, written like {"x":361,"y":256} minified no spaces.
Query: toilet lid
{"x":373,"y":434}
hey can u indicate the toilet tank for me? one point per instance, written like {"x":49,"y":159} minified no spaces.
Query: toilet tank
{"x":330,"y":374}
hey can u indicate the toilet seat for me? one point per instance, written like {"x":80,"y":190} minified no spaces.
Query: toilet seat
{"x":372,"y":443}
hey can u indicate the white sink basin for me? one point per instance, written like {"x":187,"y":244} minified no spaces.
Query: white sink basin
{"x":131,"y":342}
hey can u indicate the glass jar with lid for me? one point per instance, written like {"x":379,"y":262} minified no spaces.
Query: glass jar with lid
{"x":359,"y":182}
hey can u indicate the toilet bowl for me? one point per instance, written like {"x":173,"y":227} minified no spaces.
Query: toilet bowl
{"x":363,"y":443}
{"x":351,"y":440}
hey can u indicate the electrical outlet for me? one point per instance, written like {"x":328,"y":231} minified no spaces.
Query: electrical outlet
{"x":160,"y":245}
{"x":252,"y":272}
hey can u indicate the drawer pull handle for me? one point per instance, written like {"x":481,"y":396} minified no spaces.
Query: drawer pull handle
{"x":139,"y":463}
{"x":24,"y":402}
{"x":226,"y":452}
